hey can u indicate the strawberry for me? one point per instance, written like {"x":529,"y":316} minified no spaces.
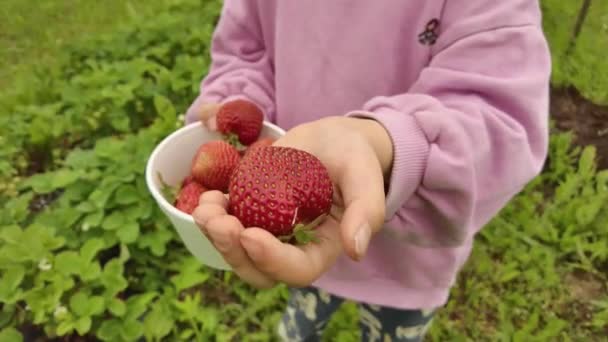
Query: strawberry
{"x":262,"y":142}
{"x":240,"y":122}
{"x":188,"y":196}
{"x":214,"y":163}
{"x":259,"y":143}
{"x":187,"y":180}
{"x":281,"y":189}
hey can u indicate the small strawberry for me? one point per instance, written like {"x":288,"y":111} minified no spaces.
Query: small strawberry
{"x":240,"y":121}
{"x":283,"y":190}
{"x":214,"y":163}
{"x":187,"y":180}
{"x":187,"y":199}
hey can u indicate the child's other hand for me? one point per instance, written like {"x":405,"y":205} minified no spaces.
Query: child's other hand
{"x":204,"y":112}
{"x":357,"y":153}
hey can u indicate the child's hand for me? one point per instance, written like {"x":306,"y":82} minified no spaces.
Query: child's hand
{"x":204,"y":112}
{"x":357,"y":153}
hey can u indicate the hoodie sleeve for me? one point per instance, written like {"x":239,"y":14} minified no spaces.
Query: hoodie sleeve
{"x":240,"y":65}
{"x":473,"y":129}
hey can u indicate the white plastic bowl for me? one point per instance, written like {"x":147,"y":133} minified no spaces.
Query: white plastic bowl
{"x":172,"y":158}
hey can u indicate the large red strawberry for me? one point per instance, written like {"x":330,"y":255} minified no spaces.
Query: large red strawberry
{"x":259,"y":143}
{"x":240,"y":121}
{"x":214,"y":163}
{"x":188,"y":196}
{"x":284,"y":190}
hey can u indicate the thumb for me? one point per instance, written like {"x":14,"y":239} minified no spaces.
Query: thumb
{"x":204,"y":112}
{"x":361,"y":184}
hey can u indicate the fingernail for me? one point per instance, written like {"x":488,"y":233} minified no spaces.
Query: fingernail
{"x":362,"y":239}
{"x":252,"y":247}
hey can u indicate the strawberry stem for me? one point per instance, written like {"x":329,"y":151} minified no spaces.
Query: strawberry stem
{"x":233,"y":139}
{"x":170,"y":192}
{"x":304,"y":233}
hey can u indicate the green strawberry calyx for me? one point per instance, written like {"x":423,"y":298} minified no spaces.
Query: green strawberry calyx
{"x":170,"y":192}
{"x":233,"y":139}
{"x":303,"y":233}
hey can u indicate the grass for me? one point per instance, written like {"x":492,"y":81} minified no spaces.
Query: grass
{"x":34,"y":33}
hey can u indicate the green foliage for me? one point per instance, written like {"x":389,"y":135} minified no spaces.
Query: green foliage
{"x":84,"y":250}
{"x":536,"y":272}
{"x":584,"y":67}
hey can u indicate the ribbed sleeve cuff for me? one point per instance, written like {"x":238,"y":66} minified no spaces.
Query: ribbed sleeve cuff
{"x":410,"y":152}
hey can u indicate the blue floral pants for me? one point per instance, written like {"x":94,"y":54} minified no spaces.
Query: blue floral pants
{"x":309,"y":309}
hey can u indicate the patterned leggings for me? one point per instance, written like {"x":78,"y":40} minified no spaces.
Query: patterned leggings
{"x":309,"y":309}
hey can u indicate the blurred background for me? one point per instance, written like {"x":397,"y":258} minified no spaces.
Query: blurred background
{"x":87,"y":88}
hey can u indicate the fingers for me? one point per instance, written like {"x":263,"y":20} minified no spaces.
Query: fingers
{"x":294,"y":265}
{"x":214,"y":196}
{"x":225,"y":231}
{"x":205,"y":113}
{"x":362,"y":188}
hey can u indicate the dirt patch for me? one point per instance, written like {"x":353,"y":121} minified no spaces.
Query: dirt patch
{"x":584,"y":286}
{"x":588,"y":121}
{"x":40,"y":201}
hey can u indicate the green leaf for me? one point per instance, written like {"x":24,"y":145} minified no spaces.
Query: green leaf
{"x":128,"y":233}
{"x":91,"y":271}
{"x":588,"y":212}
{"x":586,"y":164}
{"x":109,"y":330}
{"x":184,"y":281}
{"x":114,"y":221}
{"x":68,"y":262}
{"x":63,"y":178}
{"x":11,"y":279}
{"x":132,"y":330}
{"x":96,"y":306}
{"x":136,"y":305}
{"x":156,"y":241}
{"x":65,"y":327}
{"x":158,"y":323}
{"x":7,"y":313}
{"x":92,"y":220}
{"x":117,"y":307}
{"x":164,"y":107}
{"x":186,"y":334}
{"x":109,"y":148}
{"x":100,"y":196}
{"x":85,"y":207}
{"x":209,"y":318}
{"x":508,"y":276}
{"x":10,"y":334}
{"x":80,"y":159}
{"x":90,"y":249}
{"x":121,"y":123}
{"x":79,"y":304}
{"x":127,"y":194}
{"x":47,"y":182}
{"x":83,"y":325}
{"x":112,"y":277}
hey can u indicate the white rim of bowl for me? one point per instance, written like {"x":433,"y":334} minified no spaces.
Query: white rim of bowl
{"x":149,"y":172}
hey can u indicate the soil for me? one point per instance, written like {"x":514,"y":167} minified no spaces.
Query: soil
{"x":588,"y":121}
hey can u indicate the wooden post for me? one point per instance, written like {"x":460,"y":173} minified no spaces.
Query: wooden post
{"x":578,"y":26}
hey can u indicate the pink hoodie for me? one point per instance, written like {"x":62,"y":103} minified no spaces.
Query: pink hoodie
{"x":462,"y":87}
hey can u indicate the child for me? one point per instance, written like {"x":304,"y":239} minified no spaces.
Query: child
{"x":429,"y":115}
